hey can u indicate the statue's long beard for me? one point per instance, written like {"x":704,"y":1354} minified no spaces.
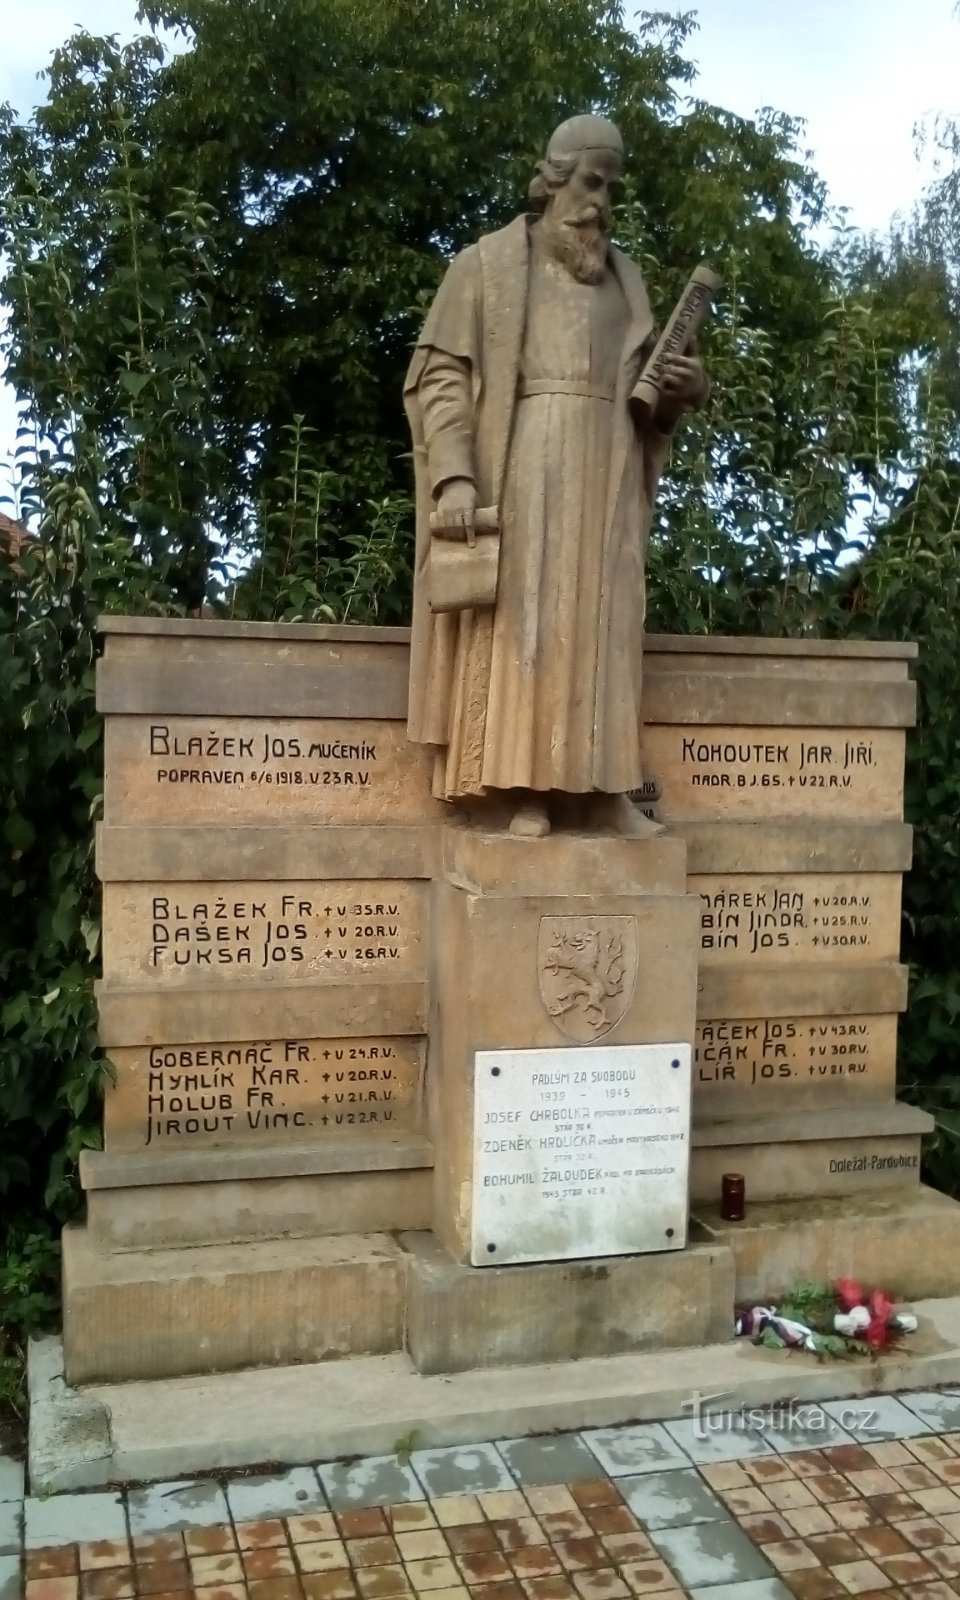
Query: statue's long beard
{"x":581,"y":249}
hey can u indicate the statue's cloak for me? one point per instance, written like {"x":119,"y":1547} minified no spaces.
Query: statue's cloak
{"x":478,"y":318}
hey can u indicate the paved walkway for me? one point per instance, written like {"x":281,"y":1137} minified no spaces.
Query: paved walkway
{"x":851,"y":1498}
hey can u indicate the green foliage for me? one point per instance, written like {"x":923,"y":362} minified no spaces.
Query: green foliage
{"x":49,"y":938}
{"x":404,"y":1446}
{"x":29,"y":1301}
{"x":244,"y":233}
{"x":812,"y":1303}
{"x":302,"y":565}
{"x":909,"y":588}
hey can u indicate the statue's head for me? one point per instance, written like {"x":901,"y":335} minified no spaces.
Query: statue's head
{"x":572,"y":187}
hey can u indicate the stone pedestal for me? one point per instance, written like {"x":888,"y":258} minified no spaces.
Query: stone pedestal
{"x":617,"y":911}
{"x":303,"y":956}
{"x":458,"y":1318}
{"x":907,"y":1238}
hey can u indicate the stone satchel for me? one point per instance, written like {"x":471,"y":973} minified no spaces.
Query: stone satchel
{"x":462,"y":572}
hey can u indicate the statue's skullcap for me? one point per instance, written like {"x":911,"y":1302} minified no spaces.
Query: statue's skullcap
{"x":579,"y":134}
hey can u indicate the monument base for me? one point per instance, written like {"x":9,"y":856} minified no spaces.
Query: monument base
{"x":215,"y":1308}
{"x":172,"y":1428}
{"x":799,"y":1155}
{"x":458,"y":1318}
{"x":542,"y":952}
{"x":906,"y":1241}
{"x":157,"y":1313}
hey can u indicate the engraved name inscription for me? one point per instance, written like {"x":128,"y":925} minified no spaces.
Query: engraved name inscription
{"x":773,"y":772}
{"x":873,"y":1162}
{"x":757,"y":1054}
{"x":810,"y":916}
{"x":232,"y":931}
{"x":211,"y":1094}
{"x":253,"y":769}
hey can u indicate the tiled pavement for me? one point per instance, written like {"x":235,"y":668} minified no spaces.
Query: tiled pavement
{"x":854,"y":1498}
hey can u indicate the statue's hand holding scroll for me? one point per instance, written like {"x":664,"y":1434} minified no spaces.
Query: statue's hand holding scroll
{"x":456,"y":509}
{"x":673,"y":380}
{"x":463,"y":569}
{"x":684,"y":383}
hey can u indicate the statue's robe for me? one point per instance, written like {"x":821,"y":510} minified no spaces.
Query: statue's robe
{"x":520,"y":381}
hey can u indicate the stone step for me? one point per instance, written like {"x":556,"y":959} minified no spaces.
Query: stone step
{"x":115,"y":1433}
{"x":138,"y":1014}
{"x":795,"y":845}
{"x":271,"y":1190}
{"x":135,"y":1314}
{"x":833,"y":1150}
{"x":157,"y":1313}
{"x":458,"y":1318}
{"x":906,"y":1242}
{"x":132,"y":852}
{"x":274,"y":1156}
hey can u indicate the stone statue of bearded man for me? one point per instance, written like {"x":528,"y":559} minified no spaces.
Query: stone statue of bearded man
{"x":518,"y":399}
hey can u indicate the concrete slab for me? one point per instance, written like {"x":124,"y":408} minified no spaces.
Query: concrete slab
{"x":940,"y":1413}
{"x":755,"y":1589}
{"x":168,"y":1507}
{"x":10,"y":1577}
{"x":69,"y":1442}
{"x":11,"y":1480}
{"x":717,"y":1436}
{"x":675,"y":1499}
{"x":11,"y":1525}
{"x":73,"y":1519}
{"x":706,"y":1554}
{"x":378,"y":1481}
{"x":461,"y":1469}
{"x":379,"y":1406}
{"x":805,"y":1428}
{"x":288,"y":1494}
{"x":888,"y":1419}
{"x":634,"y":1450}
{"x":563,"y":1458}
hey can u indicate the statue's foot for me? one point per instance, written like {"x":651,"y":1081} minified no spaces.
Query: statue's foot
{"x":617,"y":811}
{"x":530,"y":821}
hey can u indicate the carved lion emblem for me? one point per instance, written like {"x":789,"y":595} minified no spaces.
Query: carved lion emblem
{"x":587,"y":968}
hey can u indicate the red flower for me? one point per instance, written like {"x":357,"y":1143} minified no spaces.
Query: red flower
{"x":850,"y":1294}
{"x":881,"y":1310}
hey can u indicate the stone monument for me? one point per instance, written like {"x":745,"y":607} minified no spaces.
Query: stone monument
{"x":519,"y":399}
{"x":526,"y":681}
{"x":426,"y":1037}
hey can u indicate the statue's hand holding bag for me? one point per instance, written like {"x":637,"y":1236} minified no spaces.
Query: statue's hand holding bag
{"x":464,"y":551}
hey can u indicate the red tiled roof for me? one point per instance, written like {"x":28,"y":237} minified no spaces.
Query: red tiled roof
{"x":13,"y":535}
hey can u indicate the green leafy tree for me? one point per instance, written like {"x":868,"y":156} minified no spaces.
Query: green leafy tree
{"x":313,"y":166}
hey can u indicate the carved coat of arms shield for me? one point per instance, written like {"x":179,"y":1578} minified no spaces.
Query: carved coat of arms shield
{"x":587,"y":969}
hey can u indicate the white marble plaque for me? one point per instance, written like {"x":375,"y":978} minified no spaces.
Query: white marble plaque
{"x":580,"y":1152}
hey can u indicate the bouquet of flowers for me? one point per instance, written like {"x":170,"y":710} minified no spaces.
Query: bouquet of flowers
{"x":841,"y":1319}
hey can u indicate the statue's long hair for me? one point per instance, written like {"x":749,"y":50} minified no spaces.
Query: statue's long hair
{"x":550,"y":176}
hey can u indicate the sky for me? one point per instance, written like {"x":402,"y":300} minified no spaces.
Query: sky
{"x":862,"y":73}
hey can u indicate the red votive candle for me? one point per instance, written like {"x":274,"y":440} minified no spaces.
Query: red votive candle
{"x":733,"y":1197}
